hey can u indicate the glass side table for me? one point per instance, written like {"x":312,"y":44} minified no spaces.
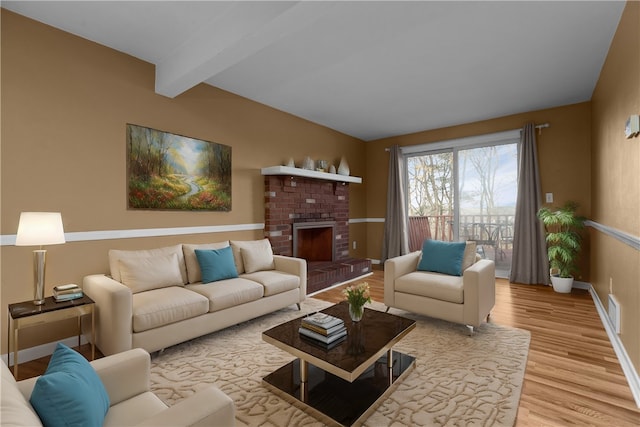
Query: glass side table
{"x":26,"y":315}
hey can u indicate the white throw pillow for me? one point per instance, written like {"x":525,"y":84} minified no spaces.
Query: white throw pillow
{"x":115,"y":255}
{"x":194,"y":274}
{"x":257,"y":247}
{"x":257,"y":260}
{"x":143,"y":274}
{"x":469,"y":257}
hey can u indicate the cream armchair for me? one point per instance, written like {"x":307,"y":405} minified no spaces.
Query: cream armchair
{"x":126,"y":379}
{"x":466,"y":299}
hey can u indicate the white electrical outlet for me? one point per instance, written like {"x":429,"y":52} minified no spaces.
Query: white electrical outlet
{"x":549,"y":197}
{"x":354,"y":245}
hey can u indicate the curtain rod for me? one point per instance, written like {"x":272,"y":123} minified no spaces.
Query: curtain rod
{"x":542,"y":126}
{"x":539,"y":127}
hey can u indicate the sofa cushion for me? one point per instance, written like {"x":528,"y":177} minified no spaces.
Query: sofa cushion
{"x":216,"y":264}
{"x":442,"y":287}
{"x":145,"y":273}
{"x":160,"y":307}
{"x":442,"y":257}
{"x":194,"y":274}
{"x":259,"y":250}
{"x":274,"y":281}
{"x":15,"y":409}
{"x":469,"y":257}
{"x":70,"y":392}
{"x":228,"y":293}
{"x":115,"y":255}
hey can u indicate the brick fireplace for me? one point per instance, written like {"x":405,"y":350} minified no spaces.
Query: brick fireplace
{"x":316,"y":212}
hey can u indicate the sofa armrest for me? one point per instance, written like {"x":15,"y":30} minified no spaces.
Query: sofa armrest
{"x":125,"y":374}
{"x":295,"y":266}
{"x":208,"y":407}
{"x":114,"y":313}
{"x":397,"y":267}
{"x":479,"y":282}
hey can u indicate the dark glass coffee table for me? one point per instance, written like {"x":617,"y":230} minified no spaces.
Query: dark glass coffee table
{"x":343,"y":382}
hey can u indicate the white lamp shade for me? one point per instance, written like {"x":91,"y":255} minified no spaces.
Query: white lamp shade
{"x":40,"y":228}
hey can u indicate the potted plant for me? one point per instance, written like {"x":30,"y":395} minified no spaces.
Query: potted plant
{"x":563,"y":243}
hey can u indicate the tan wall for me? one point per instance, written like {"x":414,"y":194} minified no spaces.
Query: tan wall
{"x":65,"y":105}
{"x":563,"y":155}
{"x":616,"y":181}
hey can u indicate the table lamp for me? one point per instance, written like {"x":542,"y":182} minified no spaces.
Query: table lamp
{"x":39,"y":229}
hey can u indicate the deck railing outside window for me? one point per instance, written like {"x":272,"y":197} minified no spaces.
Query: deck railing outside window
{"x":492,"y":232}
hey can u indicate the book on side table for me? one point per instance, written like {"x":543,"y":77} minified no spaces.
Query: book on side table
{"x":67,"y":292}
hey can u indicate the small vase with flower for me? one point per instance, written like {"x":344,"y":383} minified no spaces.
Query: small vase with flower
{"x":357,"y":296}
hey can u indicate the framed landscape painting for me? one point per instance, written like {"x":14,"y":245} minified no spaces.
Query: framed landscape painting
{"x":173,"y":172}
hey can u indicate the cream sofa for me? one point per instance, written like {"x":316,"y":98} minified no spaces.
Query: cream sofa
{"x":125,"y":377}
{"x":155,"y":298}
{"x":466,"y":299}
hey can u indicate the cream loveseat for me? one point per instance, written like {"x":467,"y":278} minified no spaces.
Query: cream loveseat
{"x":466,"y":299}
{"x":125,"y":377}
{"x":156,"y":298}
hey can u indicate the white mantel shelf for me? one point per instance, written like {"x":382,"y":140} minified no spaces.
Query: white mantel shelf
{"x":286,"y":170}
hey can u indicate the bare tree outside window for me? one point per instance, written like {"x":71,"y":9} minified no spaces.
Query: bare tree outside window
{"x":430,"y":184}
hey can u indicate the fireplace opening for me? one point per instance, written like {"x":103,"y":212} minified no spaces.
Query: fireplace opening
{"x":314,"y":241}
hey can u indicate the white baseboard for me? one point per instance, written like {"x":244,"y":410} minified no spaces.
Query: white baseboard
{"x":33,"y":353}
{"x":627,"y":366}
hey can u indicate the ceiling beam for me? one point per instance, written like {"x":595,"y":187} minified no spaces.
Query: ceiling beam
{"x":244,"y":29}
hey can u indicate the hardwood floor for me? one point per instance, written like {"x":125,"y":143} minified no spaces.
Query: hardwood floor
{"x":572,"y":377}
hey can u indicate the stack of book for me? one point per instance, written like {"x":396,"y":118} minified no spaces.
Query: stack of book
{"x":67,"y":292}
{"x":323,"y":329}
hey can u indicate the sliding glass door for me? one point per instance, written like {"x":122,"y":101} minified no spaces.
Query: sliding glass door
{"x":465,"y":193}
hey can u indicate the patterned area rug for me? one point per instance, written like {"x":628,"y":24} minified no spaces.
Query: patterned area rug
{"x":458,"y":379}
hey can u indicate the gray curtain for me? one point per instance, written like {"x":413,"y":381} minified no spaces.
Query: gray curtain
{"x":530,"y":264}
{"x":396,"y":236}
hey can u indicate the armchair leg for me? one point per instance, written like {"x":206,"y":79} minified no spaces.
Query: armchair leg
{"x":488,"y":315}
{"x":387,"y":310}
{"x":470,"y":330}
{"x":298,"y":305}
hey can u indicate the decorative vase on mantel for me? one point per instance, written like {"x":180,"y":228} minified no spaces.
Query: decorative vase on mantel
{"x":343,"y":168}
{"x":308,"y":163}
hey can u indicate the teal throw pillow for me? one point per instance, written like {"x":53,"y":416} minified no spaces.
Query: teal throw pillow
{"x":216,"y":264}
{"x":442,"y":257}
{"x":70,"y":393}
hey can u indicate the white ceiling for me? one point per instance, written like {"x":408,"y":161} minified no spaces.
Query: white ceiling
{"x":369,"y":69}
